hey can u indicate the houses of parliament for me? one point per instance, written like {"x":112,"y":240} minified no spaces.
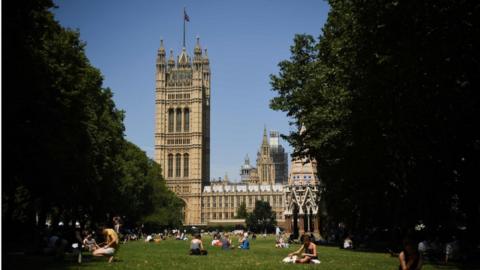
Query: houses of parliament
{"x":182,"y":148}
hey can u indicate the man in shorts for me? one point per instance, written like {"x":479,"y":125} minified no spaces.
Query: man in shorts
{"x":111,"y":240}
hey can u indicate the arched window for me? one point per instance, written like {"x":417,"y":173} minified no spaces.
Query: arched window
{"x":186,"y":120}
{"x":179,"y":120}
{"x":170,"y":120}
{"x":170,"y":165}
{"x":178,"y":160}
{"x":185,"y":165}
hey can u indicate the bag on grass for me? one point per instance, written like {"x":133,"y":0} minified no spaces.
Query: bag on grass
{"x":289,"y":259}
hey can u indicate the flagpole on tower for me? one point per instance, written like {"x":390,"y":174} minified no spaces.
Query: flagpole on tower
{"x":185,"y":19}
{"x":184,"y":16}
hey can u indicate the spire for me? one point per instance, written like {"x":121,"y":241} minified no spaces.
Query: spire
{"x":161,"y":56}
{"x":183,"y":59}
{"x":197,"y":55}
{"x":265,"y":138}
{"x":247,"y":160}
{"x":198,"y":49}
{"x":265,"y":147}
{"x":171,"y":60}
{"x":161,"y":50}
{"x":205,"y":58}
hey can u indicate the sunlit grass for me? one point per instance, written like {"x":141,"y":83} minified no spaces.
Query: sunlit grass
{"x":173,"y":254}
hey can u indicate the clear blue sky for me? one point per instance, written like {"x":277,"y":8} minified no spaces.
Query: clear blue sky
{"x":245,"y":41}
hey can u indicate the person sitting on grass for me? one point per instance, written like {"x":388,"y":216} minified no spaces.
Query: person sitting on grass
{"x":196,"y":246}
{"x":216,"y":242}
{"x":89,"y":242}
{"x":307,"y":252}
{"x":56,"y":246}
{"x":157,"y":238}
{"x":226,"y":242}
{"x":452,"y":250}
{"x":111,"y":240}
{"x":244,"y":243}
{"x":410,"y":258}
{"x":348,"y":243}
{"x":281,"y":243}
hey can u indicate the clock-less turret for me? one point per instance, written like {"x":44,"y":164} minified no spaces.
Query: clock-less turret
{"x":182,"y":125}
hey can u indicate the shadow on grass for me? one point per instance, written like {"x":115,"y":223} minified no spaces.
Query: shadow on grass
{"x":14,"y":261}
{"x":436,"y":263}
{"x":455,"y":265}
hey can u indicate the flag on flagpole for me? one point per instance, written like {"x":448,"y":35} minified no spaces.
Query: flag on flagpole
{"x":185,"y":16}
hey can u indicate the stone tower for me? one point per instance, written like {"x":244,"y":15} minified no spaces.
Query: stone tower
{"x":265,"y":164}
{"x":182,"y":125}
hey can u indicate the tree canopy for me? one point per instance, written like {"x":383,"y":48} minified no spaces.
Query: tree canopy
{"x":242,"y":210}
{"x":388,"y":98}
{"x":65,"y":155}
{"x":262,"y":219}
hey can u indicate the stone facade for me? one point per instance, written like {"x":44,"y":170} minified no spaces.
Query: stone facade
{"x":302,"y":198}
{"x":182,"y":125}
{"x":220,"y":200}
{"x":182,"y":148}
{"x":272,"y":162}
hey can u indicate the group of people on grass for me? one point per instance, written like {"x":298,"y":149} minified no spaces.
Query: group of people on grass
{"x":306,"y":254}
{"x":409,"y":259}
{"x":223,"y":241}
{"x":61,"y":239}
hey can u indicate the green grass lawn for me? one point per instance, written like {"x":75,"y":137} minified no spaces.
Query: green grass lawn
{"x":173,"y":254}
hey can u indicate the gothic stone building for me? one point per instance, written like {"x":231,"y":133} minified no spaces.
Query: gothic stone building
{"x":272,"y":163}
{"x":221,"y":199}
{"x":302,"y":198}
{"x":182,"y":148}
{"x":182,"y":125}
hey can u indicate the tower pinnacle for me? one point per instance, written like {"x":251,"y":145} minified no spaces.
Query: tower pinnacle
{"x":198,"y":49}
{"x":161,"y":56}
{"x":161,"y":49}
{"x":171,"y":60}
{"x":265,"y":138}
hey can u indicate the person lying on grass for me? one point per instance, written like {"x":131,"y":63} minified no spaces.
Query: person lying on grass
{"x":111,"y":240}
{"x":307,"y":252}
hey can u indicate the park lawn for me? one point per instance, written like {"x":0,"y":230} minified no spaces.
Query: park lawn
{"x":173,"y":254}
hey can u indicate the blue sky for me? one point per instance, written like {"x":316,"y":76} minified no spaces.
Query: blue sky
{"x":245,"y":40}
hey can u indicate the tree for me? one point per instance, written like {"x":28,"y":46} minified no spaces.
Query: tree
{"x":262,"y":218}
{"x":242,"y":210}
{"x":63,"y":136}
{"x":387,"y":100}
{"x":64,"y":133}
{"x":167,"y":207}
